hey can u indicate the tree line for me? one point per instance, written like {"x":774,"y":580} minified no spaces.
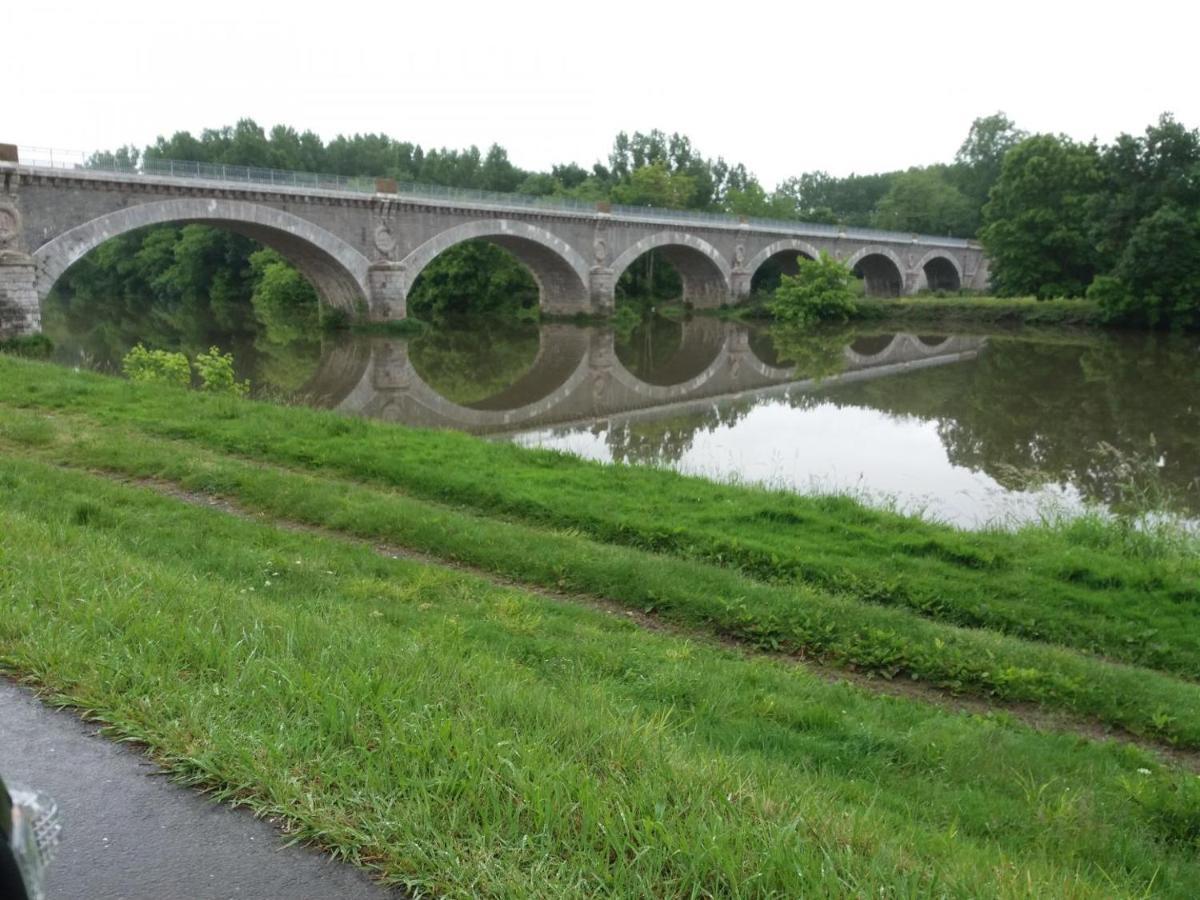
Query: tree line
{"x":1119,"y":223}
{"x":206,"y":281}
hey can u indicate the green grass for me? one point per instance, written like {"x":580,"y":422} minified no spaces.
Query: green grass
{"x":472,"y":740}
{"x":1102,"y":588}
{"x":953,"y":310}
{"x":775,"y":617}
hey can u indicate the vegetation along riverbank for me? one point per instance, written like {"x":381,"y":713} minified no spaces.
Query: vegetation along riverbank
{"x":589,"y":680}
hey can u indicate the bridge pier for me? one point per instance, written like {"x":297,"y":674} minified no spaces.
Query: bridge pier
{"x":20,"y":314}
{"x":388,"y":300}
{"x":739,"y":284}
{"x":603,"y":291}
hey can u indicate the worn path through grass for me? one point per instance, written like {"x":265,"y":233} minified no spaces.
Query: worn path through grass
{"x":469,"y":740}
{"x":778,"y":618}
{"x":1090,"y":585}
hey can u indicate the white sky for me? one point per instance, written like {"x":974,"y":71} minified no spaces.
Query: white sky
{"x":782,"y":87}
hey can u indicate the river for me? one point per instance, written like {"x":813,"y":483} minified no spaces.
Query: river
{"x":979,"y":428}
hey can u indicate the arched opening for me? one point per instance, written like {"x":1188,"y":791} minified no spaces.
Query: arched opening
{"x":781,"y":258}
{"x":941,"y":275}
{"x":672,"y":266}
{"x":248,"y":289}
{"x":767,"y":276}
{"x":880,"y":274}
{"x":479,"y":264}
{"x":474,"y":279}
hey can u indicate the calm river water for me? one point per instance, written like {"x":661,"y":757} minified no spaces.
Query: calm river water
{"x":978,"y":428}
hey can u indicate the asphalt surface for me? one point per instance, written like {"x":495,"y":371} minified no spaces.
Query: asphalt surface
{"x":130,"y":834}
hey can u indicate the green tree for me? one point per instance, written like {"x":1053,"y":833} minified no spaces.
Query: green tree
{"x":1157,"y":279}
{"x":925,"y":201}
{"x":981,"y":155}
{"x":823,"y":290}
{"x":655,"y":185}
{"x":1036,"y":225}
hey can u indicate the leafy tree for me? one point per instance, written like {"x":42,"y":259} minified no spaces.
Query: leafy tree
{"x":1157,"y":279}
{"x":925,"y":201}
{"x":981,"y":155}
{"x":1035,"y":225}
{"x":655,"y":185}
{"x":823,"y":290}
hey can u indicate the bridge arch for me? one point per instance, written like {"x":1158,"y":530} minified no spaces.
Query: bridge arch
{"x":705,"y":273}
{"x":940,"y":271}
{"x":880,"y":268}
{"x":336,"y":269}
{"x":561,"y":273}
{"x":786,"y":253}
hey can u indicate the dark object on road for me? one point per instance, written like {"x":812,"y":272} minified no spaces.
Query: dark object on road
{"x":29,"y":835}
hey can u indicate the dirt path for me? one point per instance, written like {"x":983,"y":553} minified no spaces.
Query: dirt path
{"x":1028,"y":713}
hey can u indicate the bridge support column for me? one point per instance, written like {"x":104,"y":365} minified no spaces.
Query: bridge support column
{"x":739,"y":283}
{"x":20,"y":314}
{"x":387,"y":301}
{"x":603,"y":290}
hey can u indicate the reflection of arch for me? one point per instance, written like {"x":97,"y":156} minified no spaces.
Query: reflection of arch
{"x":560,"y":272}
{"x":881,"y":268}
{"x":787,"y":245}
{"x":336,"y":270}
{"x":941,"y":271}
{"x":712,"y":335}
{"x":702,"y":341}
{"x":389,"y":387}
{"x":705,"y":273}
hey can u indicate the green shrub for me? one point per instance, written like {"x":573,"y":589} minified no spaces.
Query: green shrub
{"x":36,"y":346}
{"x":823,"y":290}
{"x":216,"y":374}
{"x":157,"y":367}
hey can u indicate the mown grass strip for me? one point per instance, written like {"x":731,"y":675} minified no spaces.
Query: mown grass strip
{"x":1095,"y":586}
{"x":469,"y":740}
{"x":785,"y":619}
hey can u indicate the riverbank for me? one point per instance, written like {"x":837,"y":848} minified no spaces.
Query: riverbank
{"x":486,"y":687}
{"x":956,"y":311}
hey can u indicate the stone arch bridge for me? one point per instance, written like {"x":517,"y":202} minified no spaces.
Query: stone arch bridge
{"x":363,"y":245}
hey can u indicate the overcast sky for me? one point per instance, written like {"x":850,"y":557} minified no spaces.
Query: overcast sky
{"x":784,"y":88}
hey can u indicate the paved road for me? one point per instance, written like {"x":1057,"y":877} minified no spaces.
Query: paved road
{"x":130,"y":834}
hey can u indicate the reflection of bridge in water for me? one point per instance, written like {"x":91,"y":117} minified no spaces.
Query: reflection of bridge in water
{"x":577,"y":377}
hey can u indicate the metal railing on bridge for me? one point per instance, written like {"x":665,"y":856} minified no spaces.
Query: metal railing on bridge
{"x":219,"y":173}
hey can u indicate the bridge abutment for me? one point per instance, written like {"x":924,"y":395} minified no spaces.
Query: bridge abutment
{"x":20,"y":314}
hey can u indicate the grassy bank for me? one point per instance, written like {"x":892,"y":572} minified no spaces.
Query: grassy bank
{"x":952,"y":311}
{"x":472,"y":740}
{"x":956,"y":311}
{"x":835,"y":568}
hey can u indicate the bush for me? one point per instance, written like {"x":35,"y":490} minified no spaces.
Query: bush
{"x":216,"y":374}
{"x":823,"y":290}
{"x":157,"y":367}
{"x":36,"y":346}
